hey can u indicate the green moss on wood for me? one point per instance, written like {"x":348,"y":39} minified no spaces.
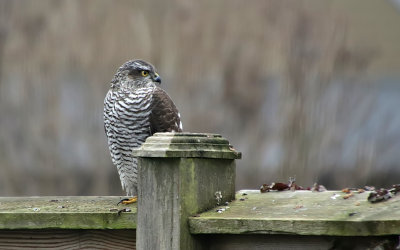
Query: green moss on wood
{"x":74,"y":212}
{"x":303,"y":213}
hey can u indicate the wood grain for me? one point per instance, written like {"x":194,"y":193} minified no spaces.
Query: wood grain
{"x":297,"y":242}
{"x":66,"y":212}
{"x":302,"y":213}
{"x":67,"y":239}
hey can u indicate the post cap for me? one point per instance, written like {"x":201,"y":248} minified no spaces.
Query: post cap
{"x":187,"y":145}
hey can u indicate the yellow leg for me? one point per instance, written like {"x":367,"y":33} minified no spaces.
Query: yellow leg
{"x":128,"y":201}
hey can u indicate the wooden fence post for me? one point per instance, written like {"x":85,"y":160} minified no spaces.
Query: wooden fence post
{"x":180,"y":174}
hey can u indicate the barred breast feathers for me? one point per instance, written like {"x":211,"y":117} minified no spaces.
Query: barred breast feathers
{"x":128,"y":112}
{"x":126,"y":121}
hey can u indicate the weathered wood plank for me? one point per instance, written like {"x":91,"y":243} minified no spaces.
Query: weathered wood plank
{"x":65,"y":212}
{"x":302,"y":213}
{"x":68,"y":239}
{"x":296,"y":242}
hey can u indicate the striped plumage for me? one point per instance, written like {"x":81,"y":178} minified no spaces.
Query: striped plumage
{"x":135,"y":108}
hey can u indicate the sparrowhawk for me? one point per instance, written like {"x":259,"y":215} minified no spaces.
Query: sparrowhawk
{"x":135,"y":108}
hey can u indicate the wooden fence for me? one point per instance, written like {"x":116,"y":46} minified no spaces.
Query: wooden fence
{"x":187,"y":201}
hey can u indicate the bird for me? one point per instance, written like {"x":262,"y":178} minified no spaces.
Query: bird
{"x":135,"y":108}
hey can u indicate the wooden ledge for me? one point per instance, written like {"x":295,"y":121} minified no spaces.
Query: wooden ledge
{"x":65,"y":212}
{"x":301,"y":213}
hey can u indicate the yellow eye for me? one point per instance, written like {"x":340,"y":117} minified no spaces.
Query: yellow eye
{"x":145,"y":73}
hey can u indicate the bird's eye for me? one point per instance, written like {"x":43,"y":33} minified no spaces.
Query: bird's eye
{"x":145,"y":73}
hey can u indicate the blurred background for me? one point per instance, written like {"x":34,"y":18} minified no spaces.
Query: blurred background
{"x":307,"y":88}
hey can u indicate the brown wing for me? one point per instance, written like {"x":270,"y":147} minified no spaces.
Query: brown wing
{"x":164,"y":115}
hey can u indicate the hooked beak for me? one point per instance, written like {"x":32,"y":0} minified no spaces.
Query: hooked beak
{"x":157,"y":78}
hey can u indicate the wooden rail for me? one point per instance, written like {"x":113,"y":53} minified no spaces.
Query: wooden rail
{"x":301,"y":213}
{"x":65,"y":212}
{"x":187,"y":201}
{"x":269,"y":220}
{"x":300,"y":220}
{"x":62,"y":222}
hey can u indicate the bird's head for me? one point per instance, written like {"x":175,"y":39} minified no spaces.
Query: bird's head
{"x":135,"y":74}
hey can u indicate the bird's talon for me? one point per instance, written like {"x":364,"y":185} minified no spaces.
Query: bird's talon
{"x":122,"y":200}
{"x":128,"y":200}
{"x":123,"y":210}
